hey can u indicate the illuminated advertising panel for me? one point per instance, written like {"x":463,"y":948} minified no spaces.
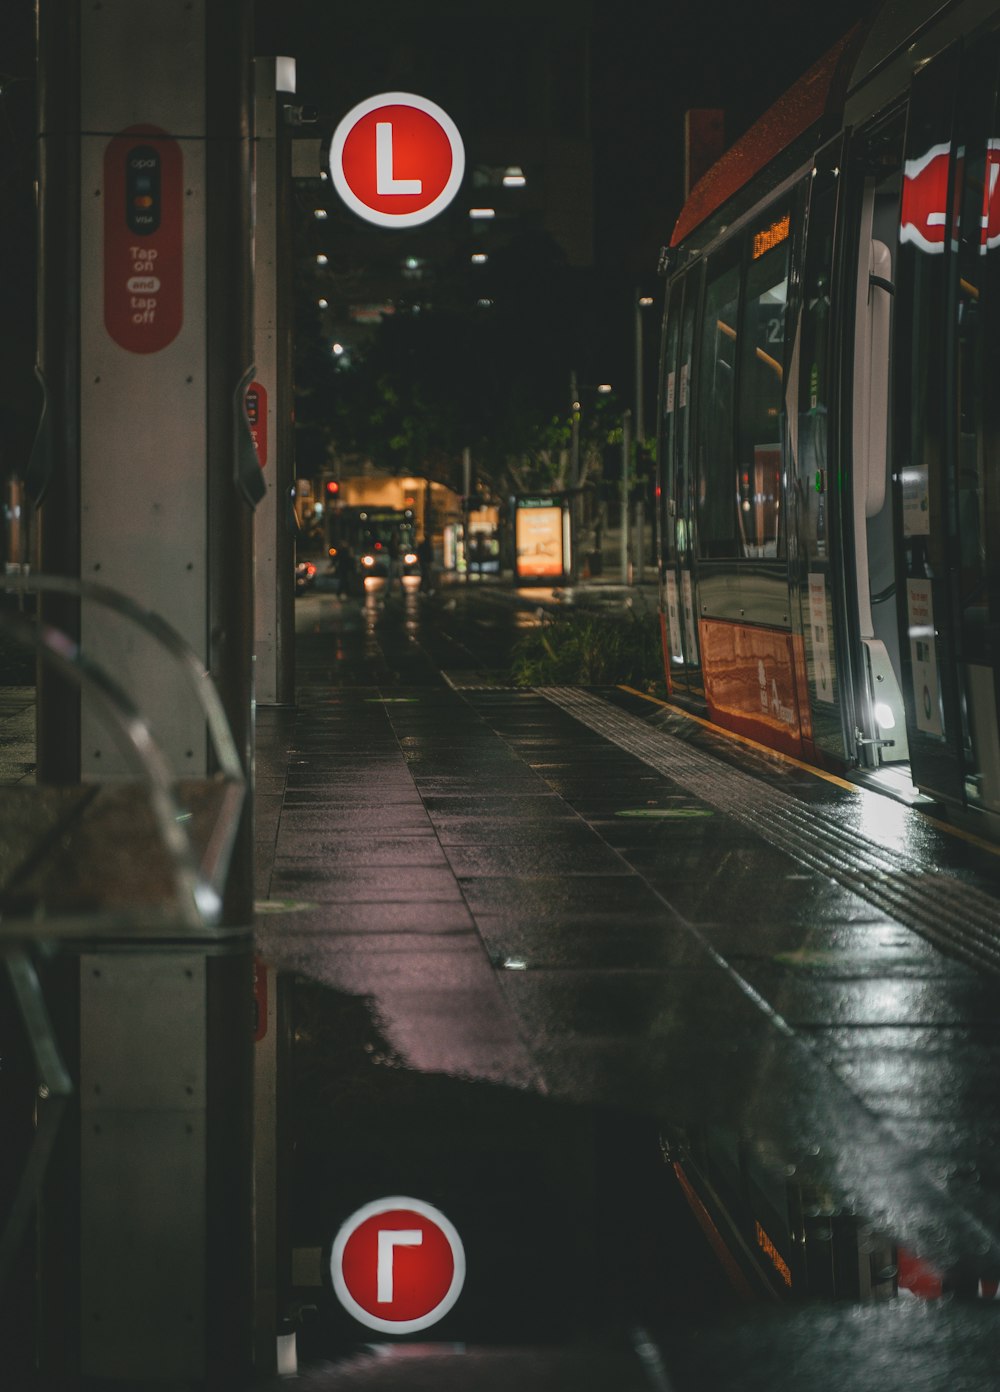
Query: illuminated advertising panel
{"x":538,"y":538}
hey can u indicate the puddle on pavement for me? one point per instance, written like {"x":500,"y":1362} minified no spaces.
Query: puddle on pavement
{"x":577,"y":1222}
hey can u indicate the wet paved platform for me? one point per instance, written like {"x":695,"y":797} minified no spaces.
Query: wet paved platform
{"x":698,"y":1051}
{"x":617,"y":996}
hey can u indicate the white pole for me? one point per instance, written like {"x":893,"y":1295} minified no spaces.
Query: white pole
{"x":640,"y":426}
{"x":466,"y":503}
{"x":626,"y":452}
{"x":574,"y":477}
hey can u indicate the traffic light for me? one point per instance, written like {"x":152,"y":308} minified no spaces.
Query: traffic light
{"x":332,"y":488}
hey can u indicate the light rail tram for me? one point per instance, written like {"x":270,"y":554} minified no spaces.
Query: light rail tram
{"x":828,"y":475}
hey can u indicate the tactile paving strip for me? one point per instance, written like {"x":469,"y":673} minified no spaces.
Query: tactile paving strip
{"x":475,"y":680}
{"x":954,"y":916}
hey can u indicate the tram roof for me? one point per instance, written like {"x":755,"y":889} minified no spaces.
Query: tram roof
{"x":818,"y":92}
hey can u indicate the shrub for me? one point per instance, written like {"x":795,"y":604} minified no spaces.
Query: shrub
{"x":590,"y":649}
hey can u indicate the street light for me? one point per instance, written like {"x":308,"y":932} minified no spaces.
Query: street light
{"x":641,"y":302}
{"x":574,"y":467}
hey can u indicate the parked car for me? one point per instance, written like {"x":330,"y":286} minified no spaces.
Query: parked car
{"x":305,"y":576}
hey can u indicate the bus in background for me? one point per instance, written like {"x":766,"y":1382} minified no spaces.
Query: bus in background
{"x":373,"y":534}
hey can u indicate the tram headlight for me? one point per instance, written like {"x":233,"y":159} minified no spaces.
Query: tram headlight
{"x":884,"y":717}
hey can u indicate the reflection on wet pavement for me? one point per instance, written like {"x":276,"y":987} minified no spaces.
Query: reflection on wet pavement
{"x":663,"y":1074}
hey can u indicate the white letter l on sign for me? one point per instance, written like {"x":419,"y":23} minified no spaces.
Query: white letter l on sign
{"x":384,"y":180}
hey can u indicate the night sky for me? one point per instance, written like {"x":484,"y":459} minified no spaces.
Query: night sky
{"x":647,"y":63}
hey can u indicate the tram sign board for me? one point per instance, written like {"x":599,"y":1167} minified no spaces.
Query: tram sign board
{"x":923,"y":214}
{"x":397,"y":1265}
{"x":397,"y":159}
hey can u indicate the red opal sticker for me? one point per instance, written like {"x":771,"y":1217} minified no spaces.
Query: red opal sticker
{"x":256,"y":404}
{"x":143,"y":239}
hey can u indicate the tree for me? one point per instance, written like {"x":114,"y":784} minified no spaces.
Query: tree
{"x":488,"y":369}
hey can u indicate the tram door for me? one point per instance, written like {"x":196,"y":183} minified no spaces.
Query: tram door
{"x":947,"y":424}
{"x":880,"y":732}
{"x":676,"y":499}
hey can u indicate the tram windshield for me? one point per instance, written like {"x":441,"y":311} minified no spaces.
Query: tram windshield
{"x":762,"y":345}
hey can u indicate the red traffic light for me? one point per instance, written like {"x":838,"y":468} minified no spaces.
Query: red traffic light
{"x":332,"y":487}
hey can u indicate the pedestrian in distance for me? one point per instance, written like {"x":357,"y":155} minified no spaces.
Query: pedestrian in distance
{"x":393,"y":572}
{"x":425,"y":560}
{"x":346,"y":571}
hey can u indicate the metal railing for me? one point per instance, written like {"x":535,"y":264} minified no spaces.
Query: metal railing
{"x":197,"y":892}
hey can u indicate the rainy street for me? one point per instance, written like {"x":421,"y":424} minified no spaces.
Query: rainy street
{"x":693,"y":1048}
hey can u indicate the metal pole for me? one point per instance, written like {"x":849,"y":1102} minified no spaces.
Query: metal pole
{"x":466,"y":491}
{"x":274,"y":621}
{"x":574,"y":476}
{"x":52,"y":481}
{"x":146,"y":1218}
{"x":641,"y":302}
{"x":626,"y":452}
{"x":640,"y":428}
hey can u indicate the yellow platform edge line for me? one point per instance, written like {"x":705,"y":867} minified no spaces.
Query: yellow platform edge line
{"x":969,"y":837}
{"x":745,"y":740}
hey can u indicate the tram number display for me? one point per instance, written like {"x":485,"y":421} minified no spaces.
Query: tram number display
{"x":771,"y":237}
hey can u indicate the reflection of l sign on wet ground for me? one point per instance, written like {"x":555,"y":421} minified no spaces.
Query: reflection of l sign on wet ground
{"x":721,"y":1076}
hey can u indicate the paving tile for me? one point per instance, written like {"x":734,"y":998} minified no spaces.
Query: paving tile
{"x":541,"y":898}
{"x":762,"y":897}
{"x":564,"y":836}
{"x":357,"y":921}
{"x":947,"y":1083}
{"x":351,"y":795}
{"x":858,"y":944}
{"x":376,"y":884}
{"x":881,"y":1001}
{"x":464,"y":1033}
{"x":470,"y":830}
{"x":359,"y":817}
{"x":536,"y":804}
{"x":529,"y":858}
{"x":503,"y":784}
{"x":571,"y":942}
{"x":375,"y":962}
{"x":336,"y":852}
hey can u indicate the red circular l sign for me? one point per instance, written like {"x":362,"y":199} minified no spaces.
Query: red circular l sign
{"x":397,"y":159}
{"x":398,"y":1265}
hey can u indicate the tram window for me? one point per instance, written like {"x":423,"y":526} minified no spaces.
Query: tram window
{"x":759,"y":426}
{"x":717,"y":519}
{"x":668,"y":396}
{"x":684,"y":487}
{"x":970,"y":360}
